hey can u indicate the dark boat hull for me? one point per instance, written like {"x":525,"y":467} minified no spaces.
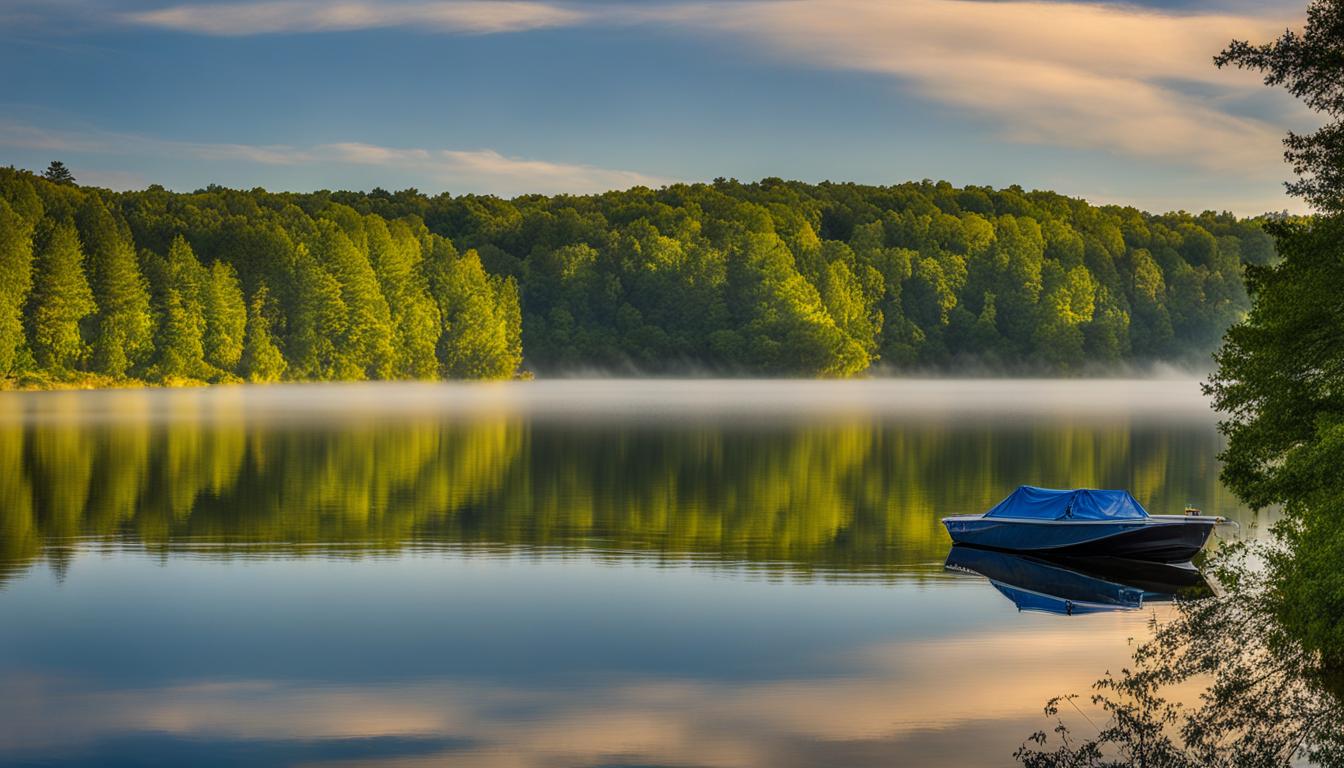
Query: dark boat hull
{"x":1173,"y":539}
{"x":1069,"y":585}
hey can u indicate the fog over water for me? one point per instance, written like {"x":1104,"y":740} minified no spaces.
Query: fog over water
{"x":1178,"y":398}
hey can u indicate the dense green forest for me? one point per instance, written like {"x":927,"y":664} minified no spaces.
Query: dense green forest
{"x":770,"y":278}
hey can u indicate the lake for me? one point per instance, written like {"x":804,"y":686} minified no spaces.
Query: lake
{"x":553,"y":573}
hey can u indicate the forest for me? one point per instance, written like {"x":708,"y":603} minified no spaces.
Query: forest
{"x":770,"y":278}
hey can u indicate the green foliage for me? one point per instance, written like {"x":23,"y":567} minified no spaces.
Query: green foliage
{"x":476,"y":342}
{"x":317,"y":324}
{"x":182,"y":311}
{"x":835,"y":279}
{"x":225,"y":318}
{"x":262,"y":362}
{"x":121,"y":331}
{"x":60,"y":298}
{"x":57,"y":173}
{"x":771,"y":278}
{"x":364,"y":346}
{"x":16,"y":267}
{"x":395,"y":252}
{"x":1280,"y":384}
{"x":1280,"y":377}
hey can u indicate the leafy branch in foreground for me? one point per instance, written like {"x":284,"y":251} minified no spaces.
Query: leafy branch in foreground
{"x":1267,"y":702}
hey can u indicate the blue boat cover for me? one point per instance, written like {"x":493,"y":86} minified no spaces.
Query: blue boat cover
{"x":1034,"y":503}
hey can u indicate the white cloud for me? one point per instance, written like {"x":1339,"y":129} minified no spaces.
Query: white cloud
{"x":1065,"y":74}
{"x":521,"y":174}
{"x":474,"y":170}
{"x":304,"y":16}
{"x":1078,"y":75}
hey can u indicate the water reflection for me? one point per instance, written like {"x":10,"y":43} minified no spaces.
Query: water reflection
{"x":550,"y":574}
{"x":1077,"y":585}
{"x":840,"y":494}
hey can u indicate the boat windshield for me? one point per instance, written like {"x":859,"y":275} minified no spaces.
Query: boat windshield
{"x":1080,"y":504}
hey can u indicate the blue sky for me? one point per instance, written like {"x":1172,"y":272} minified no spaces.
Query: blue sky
{"x":1114,"y":103}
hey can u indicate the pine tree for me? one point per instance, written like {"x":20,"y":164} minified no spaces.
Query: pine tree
{"x":16,"y":265}
{"x":511,"y":315}
{"x":57,"y":173}
{"x":262,"y":361}
{"x":365,"y":349}
{"x":225,"y":318}
{"x":60,"y":298}
{"x":122,"y":330}
{"x":396,"y":257}
{"x":318,"y":321}
{"x":475,"y":343}
{"x":181,"y":350}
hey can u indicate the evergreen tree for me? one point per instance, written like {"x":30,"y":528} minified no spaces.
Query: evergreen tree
{"x":57,"y":173}
{"x":60,"y":298}
{"x":511,"y":315}
{"x":16,"y":265}
{"x":225,"y":318}
{"x":181,"y":350}
{"x":317,"y":323}
{"x":475,"y":343}
{"x":262,"y":362}
{"x":122,"y":330}
{"x":365,"y":347}
{"x":395,"y":254}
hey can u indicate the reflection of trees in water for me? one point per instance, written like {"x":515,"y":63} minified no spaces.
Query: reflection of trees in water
{"x":837,"y":496}
{"x":1222,"y":683}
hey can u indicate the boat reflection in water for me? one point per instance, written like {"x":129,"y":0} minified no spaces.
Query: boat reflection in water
{"x":1070,"y":585}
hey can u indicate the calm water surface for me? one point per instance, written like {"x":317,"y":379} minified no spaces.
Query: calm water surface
{"x":571,"y":573}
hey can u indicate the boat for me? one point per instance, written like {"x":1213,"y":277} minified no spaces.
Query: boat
{"x":1083,"y":522}
{"x":1075,"y":585}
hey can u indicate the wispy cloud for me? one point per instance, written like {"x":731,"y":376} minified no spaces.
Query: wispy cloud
{"x":519,"y":173}
{"x":1066,"y":74}
{"x":305,"y":16}
{"x":473,"y":170}
{"x":1078,"y":75}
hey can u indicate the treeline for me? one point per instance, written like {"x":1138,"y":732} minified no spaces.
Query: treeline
{"x":770,"y":278}
{"x":228,"y":286}
{"x":782,"y":277}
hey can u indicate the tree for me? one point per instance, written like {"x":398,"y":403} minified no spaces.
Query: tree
{"x":365,"y":346}
{"x":317,"y":322}
{"x":1280,"y":376}
{"x":225,"y":318}
{"x":262,"y":362}
{"x":57,"y":173}
{"x":476,"y":339}
{"x":182,"y":328}
{"x":16,"y":264}
{"x":60,"y":298}
{"x":396,"y":256}
{"x":122,"y":330}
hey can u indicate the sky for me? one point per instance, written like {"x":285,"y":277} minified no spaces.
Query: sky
{"x":1115,"y":103}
